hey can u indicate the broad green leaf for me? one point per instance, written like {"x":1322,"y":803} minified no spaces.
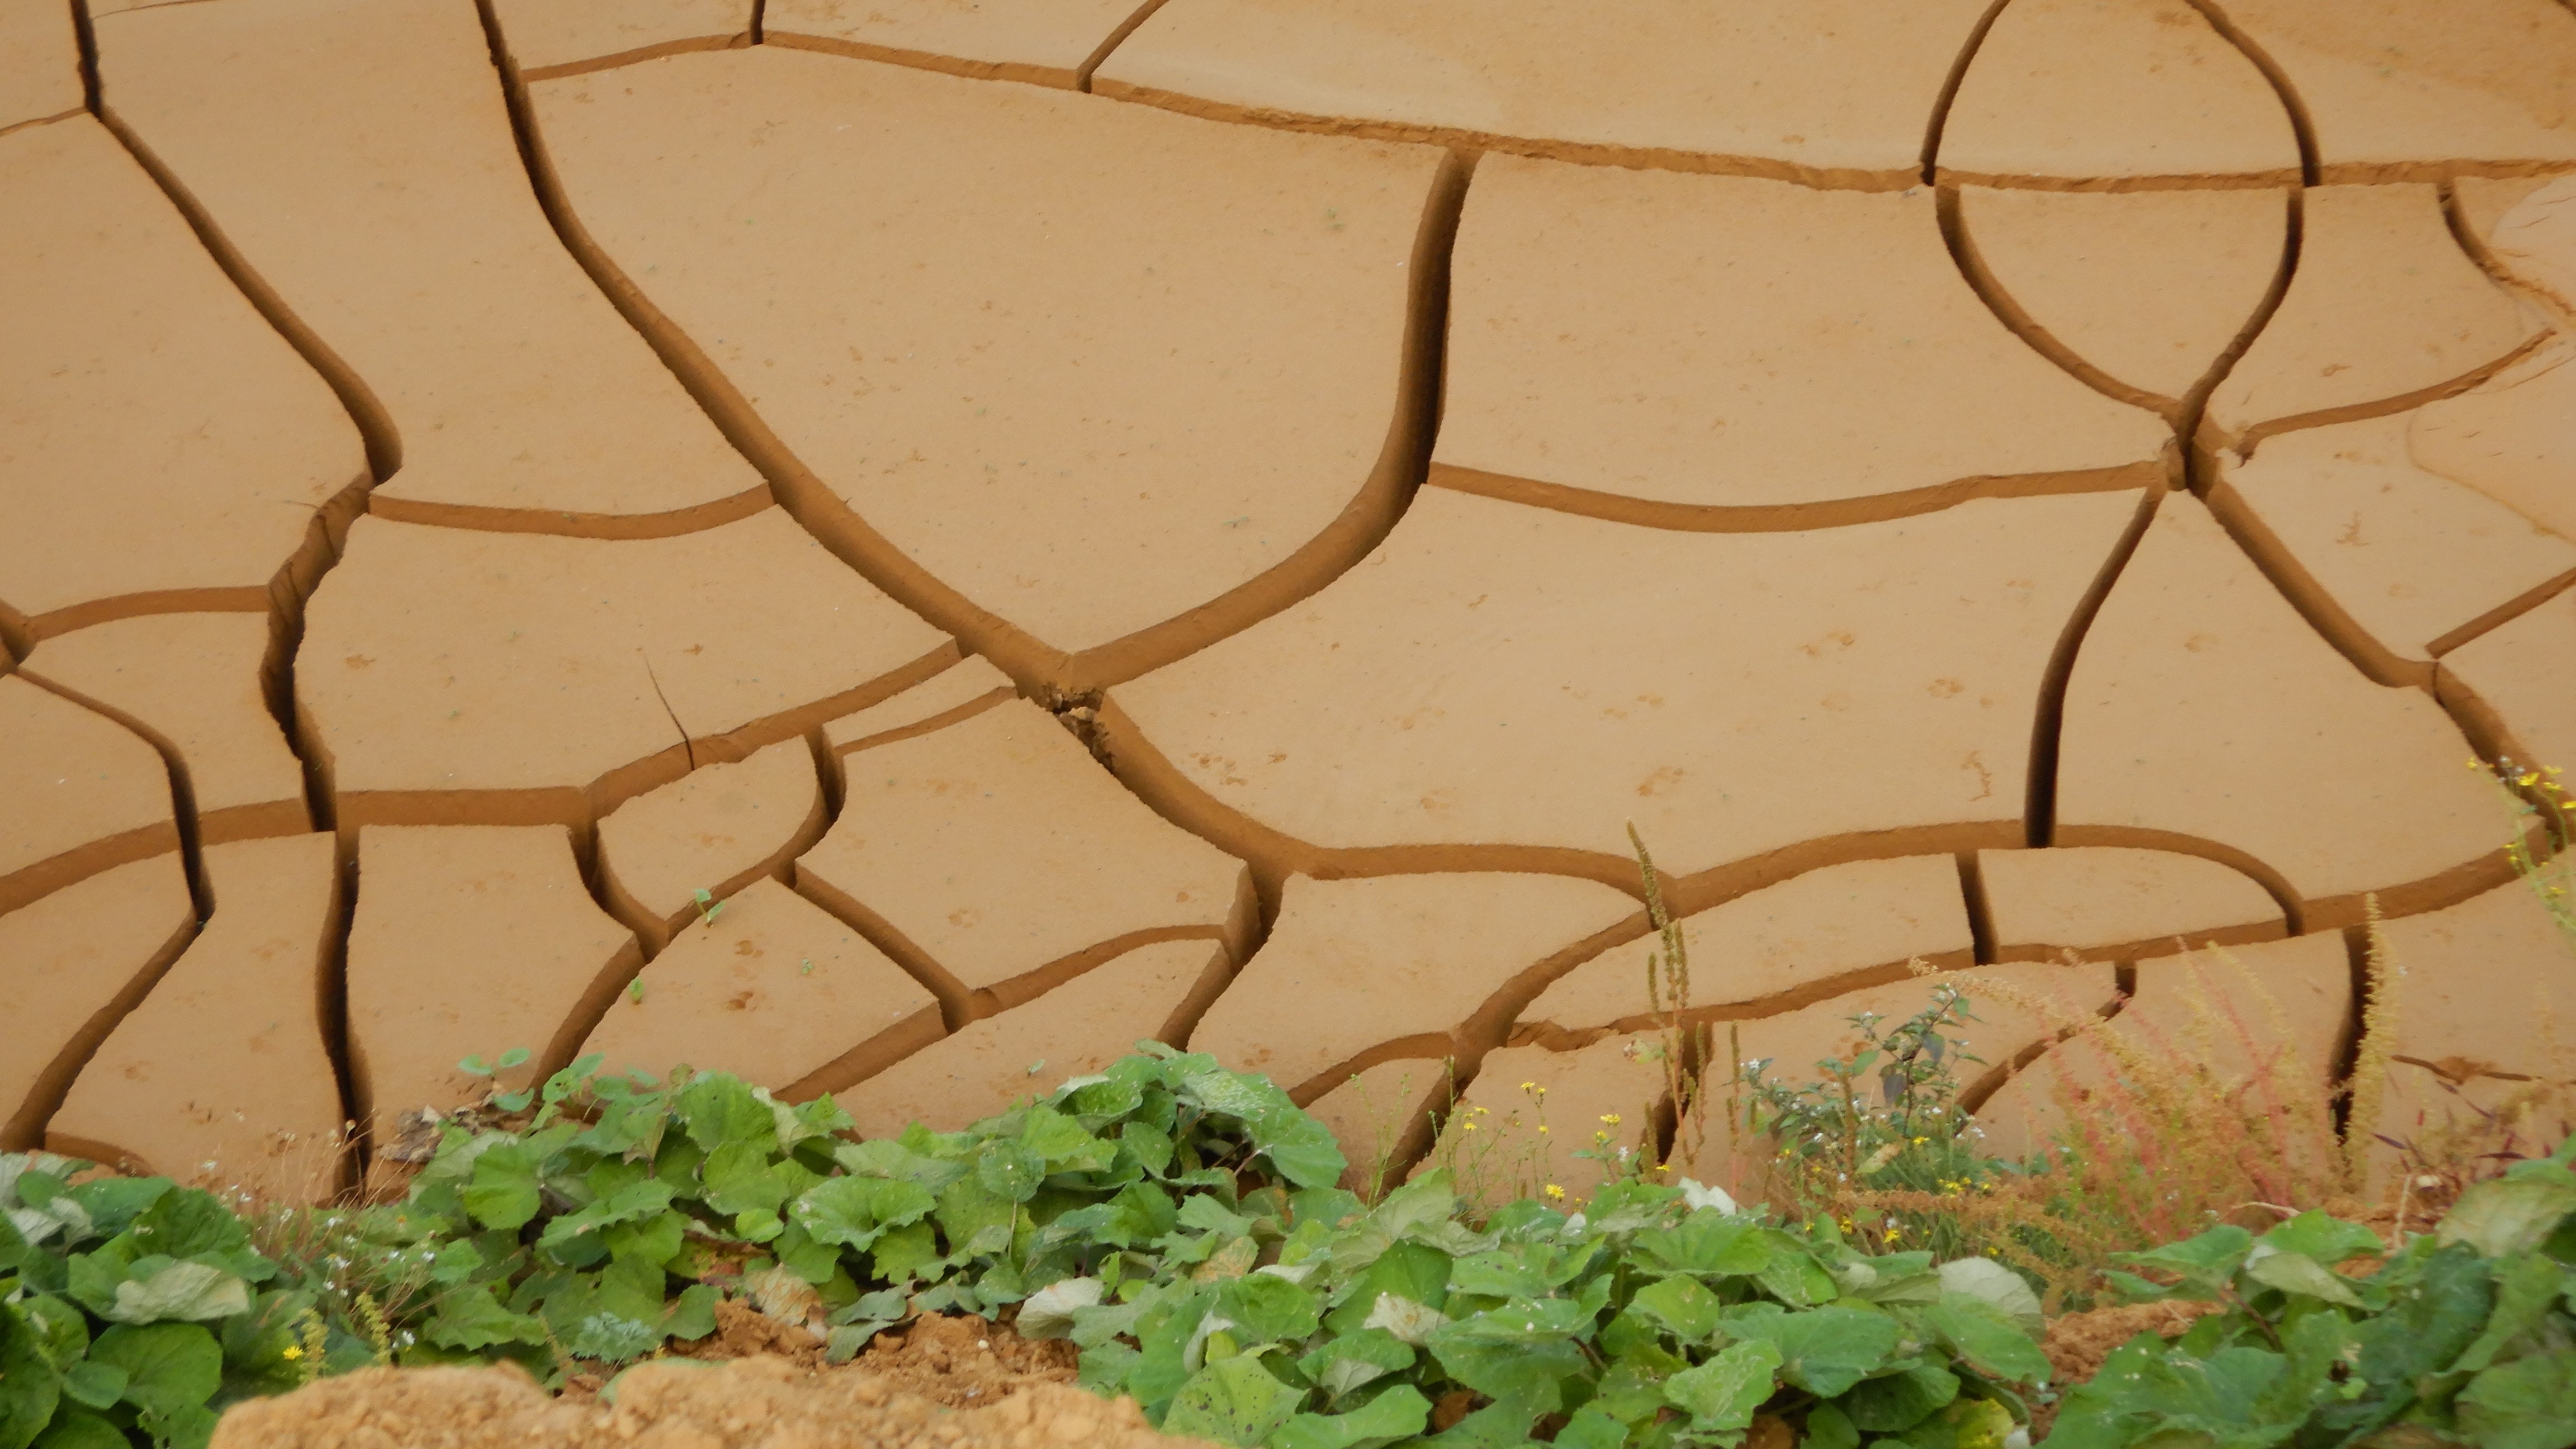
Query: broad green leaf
{"x":1681,"y":1306}
{"x":1725,"y":1392}
{"x":717,"y":1109}
{"x":2327,"y":1239}
{"x":1408,"y":1271}
{"x":2204,"y":1263}
{"x":1792,"y":1274}
{"x":189,"y":1223}
{"x":113,"y":1203}
{"x":1967,"y":1424}
{"x":1592,"y":1427}
{"x":181,"y":1292}
{"x":2526,"y":1404}
{"x":612,"y":1338}
{"x":855,"y":1211}
{"x":1233,"y":1401}
{"x":1894,"y":1403}
{"x":29,"y":1385}
{"x":905,"y":1253}
{"x":1980,"y":1334}
{"x":1346,"y":1362}
{"x":1398,"y":1413}
{"x":470,"y":1317}
{"x":1048,"y":1313}
{"x":2001,"y":1286}
{"x":2509,"y":1216}
{"x":1404,"y":1320}
{"x":169,"y":1367}
{"x":1707,"y":1242}
{"x":739,"y":1177}
{"x":503,"y":1190}
{"x":1269,"y":1309}
{"x":1525,"y":1349}
{"x":95,"y":1384}
{"x":1060,"y":1142}
{"x":2299,"y":1273}
{"x":1827,"y":1350}
{"x":1523,"y":1270}
{"x":1829,"y":1427}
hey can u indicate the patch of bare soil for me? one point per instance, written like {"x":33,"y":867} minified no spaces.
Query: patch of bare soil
{"x":765,"y":1402}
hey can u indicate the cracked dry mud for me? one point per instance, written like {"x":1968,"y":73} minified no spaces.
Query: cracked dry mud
{"x":900,"y":549}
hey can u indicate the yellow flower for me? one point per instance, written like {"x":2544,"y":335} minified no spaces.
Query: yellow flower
{"x":1610,"y":1117}
{"x":1895,"y":1233}
{"x":1556,"y":1192}
{"x":1470,"y":1127}
{"x":292,"y":1351}
{"x":1542,"y":1127}
{"x":1529,"y":1086}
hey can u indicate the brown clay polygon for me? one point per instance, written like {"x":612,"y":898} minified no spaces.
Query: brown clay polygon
{"x":1042,"y":358}
{"x":1398,"y":963}
{"x":456,"y":676}
{"x":471,"y":941}
{"x":998,"y":845}
{"x":1045,"y":42}
{"x":1382,"y":1117}
{"x":1779,"y":945}
{"x":84,"y":794}
{"x":39,"y":62}
{"x":715,"y":829}
{"x":1835,"y":92}
{"x":2513,"y":688}
{"x":1074,"y":1030}
{"x":221,"y":1072}
{"x":71,"y":965}
{"x":1727,"y":343}
{"x":160,"y":444}
{"x":2412,"y":557}
{"x":2110,"y":94}
{"x":2206,"y":715}
{"x":2394,"y":89}
{"x":405,"y":235}
{"x":193,"y":684}
{"x":2433,"y":317}
{"x":772,"y":990}
{"x":2148,"y":287}
{"x":2512,"y":437}
{"x":2110,"y":902}
{"x":1458,"y":702}
{"x":546,"y":37}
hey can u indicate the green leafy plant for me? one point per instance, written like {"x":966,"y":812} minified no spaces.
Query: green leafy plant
{"x":2462,"y":1336}
{"x":131,"y":1309}
{"x":1660,"y":1316}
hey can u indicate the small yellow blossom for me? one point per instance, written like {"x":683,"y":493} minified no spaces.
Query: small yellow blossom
{"x":1610,"y":1117}
{"x":292,"y":1351}
{"x":1556,"y":1192}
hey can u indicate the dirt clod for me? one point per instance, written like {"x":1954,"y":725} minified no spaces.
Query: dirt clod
{"x":754,"y":1403}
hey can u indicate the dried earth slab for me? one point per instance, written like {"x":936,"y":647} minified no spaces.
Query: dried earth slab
{"x":460,"y":677}
{"x":1519,"y":1126}
{"x":471,"y":941}
{"x":1835,"y":92}
{"x":1044,"y":42}
{"x":71,"y":966}
{"x":1075,"y":1030}
{"x":2528,"y":226}
{"x":1748,"y":353}
{"x":772,"y":990}
{"x":2205,"y":715}
{"x":1501,"y":687}
{"x":1027,"y":347}
{"x":2147,"y":289}
{"x":2416,"y":561}
{"x":2399,"y":90}
{"x":84,"y":793}
{"x":2433,"y":318}
{"x":551,"y":37}
{"x":1383,"y":1117}
{"x":2111,"y":902}
{"x":2512,"y":437}
{"x":160,"y":444}
{"x":221,"y":1071}
{"x":988,"y":850}
{"x":1354,"y":971}
{"x":714,"y":830}
{"x":360,"y":160}
{"x":2114,"y":94}
{"x":193,"y":683}
{"x":39,"y":63}
{"x":970,"y":686}
{"x":1774,"y":947}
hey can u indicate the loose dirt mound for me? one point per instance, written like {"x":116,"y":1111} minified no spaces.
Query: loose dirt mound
{"x":754,"y":1403}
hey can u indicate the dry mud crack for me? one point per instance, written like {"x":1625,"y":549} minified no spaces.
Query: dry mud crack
{"x":898,"y":550}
